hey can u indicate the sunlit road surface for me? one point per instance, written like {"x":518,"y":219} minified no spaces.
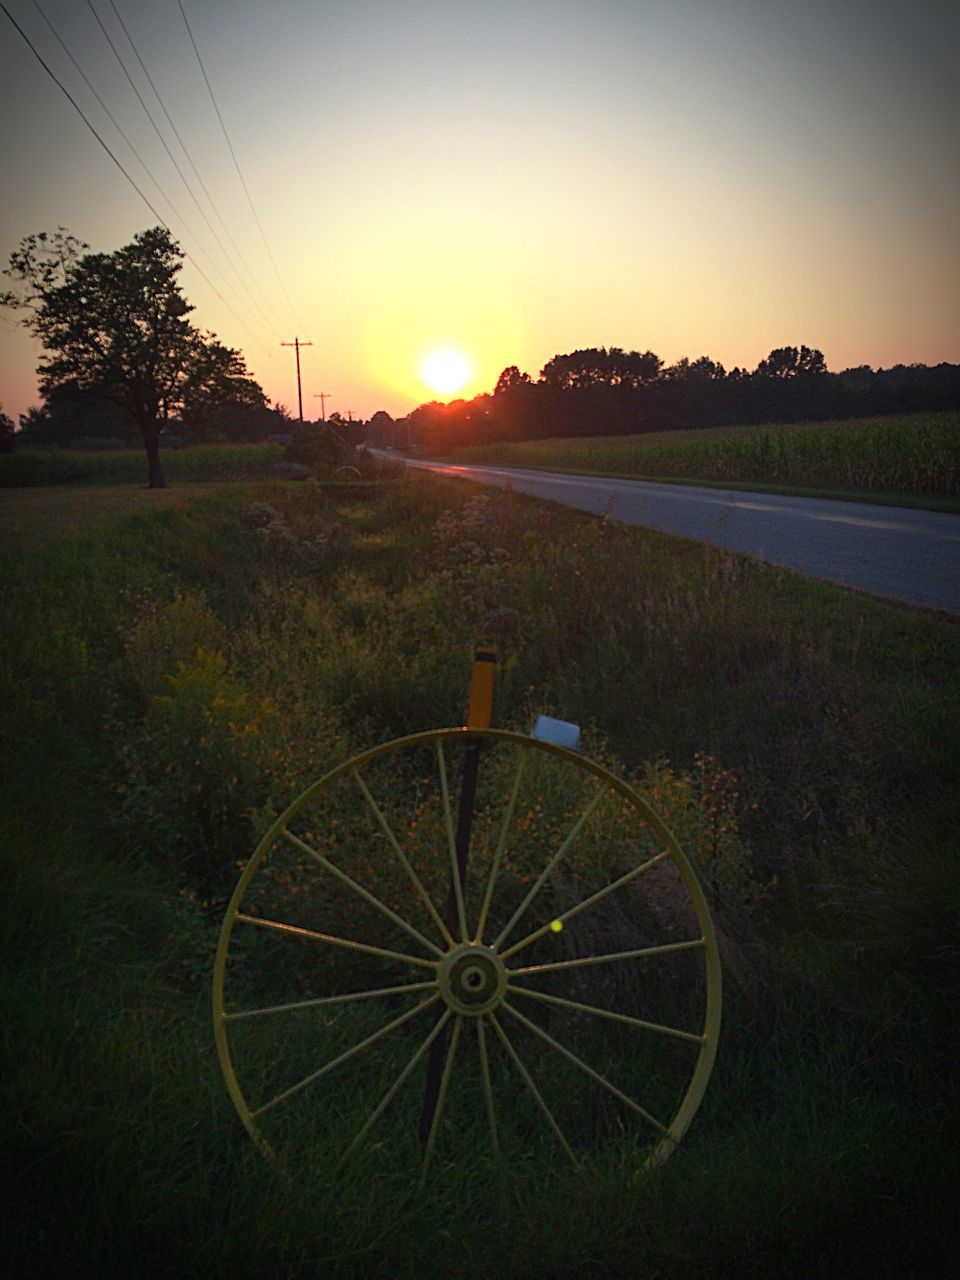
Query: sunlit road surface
{"x":888,"y":551}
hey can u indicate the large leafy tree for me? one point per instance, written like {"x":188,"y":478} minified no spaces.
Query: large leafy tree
{"x":115,"y":333}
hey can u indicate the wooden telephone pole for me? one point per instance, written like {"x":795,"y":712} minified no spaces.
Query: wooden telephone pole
{"x":297,"y":344}
{"x":323,"y":397}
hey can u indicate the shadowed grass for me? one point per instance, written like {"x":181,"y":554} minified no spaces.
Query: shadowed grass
{"x":32,"y":516}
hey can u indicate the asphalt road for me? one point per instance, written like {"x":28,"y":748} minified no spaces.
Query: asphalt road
{"x":897,"y":552}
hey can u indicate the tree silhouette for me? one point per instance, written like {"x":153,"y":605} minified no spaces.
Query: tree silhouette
{"x":789,"y":362}
{"x":381,"y":430}
{"x":7,"y":436}
{"x":509,"y":379}
{"x":115,"y":333}
{"x":217,"y":397}
{"x":702,"y":369}
{"x":600,"y":367}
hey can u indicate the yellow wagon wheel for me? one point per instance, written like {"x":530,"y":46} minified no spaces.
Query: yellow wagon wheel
{"x":573,"y":965}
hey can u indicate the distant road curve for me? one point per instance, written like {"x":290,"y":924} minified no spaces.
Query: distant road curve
{"x":898,"y":552}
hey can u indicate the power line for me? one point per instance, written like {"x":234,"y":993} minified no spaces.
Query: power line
{"x":130,"y":81}
{"x":79,"y":110}
{"x":163,"y":141}
{"x":236,"y":162}
{"x":143,"y":164}
{"x":107,"y":111}
{"x":183,"y":147}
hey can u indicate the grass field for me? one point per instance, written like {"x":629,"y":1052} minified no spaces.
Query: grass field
{"x":173,"y":677}
{"x":34,"y":515}
{"x":914,"y":458}
{"x":33,"y":467}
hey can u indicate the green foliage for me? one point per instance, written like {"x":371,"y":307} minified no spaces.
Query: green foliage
{"x":309,"y":535}
{"x":196,"y":769}
{"x":316,"y":445}
{"x":166,"y":638}
{"x":705,"y":810}
{"x":322,"y":447}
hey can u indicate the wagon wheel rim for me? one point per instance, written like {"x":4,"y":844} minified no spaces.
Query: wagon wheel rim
{"x":472,"y":977}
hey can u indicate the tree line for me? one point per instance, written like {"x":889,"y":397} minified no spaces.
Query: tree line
{"x":603,"y":391}
{"x":122,"y":362}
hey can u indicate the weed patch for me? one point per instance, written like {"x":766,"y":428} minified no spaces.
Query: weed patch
{"x":173,"y":680}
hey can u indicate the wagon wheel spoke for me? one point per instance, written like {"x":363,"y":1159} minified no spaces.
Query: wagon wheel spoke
{"x":442,"y":1096}
{"x":358,"y":888}
{"x":501,"y":847}
{"x":637,"y":953}
{"x":588,"y":1070}
{"x":403,"y":859}
{"x":344,"y":1057}
{"x":366,"y":948}
{"x":396,"y":1087}
{"x":531,"y":1086}
{"x":585,"y":905}
{"x":456,"y":879}
{"x":627,"y":1019}
{"x":325,"y":1001}
{"x":546,"y":873}
{"x":487,"y":1085}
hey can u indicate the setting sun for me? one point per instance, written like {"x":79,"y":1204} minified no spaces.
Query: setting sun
{"x":446,"y":370}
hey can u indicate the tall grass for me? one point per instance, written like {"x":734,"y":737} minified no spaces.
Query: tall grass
{"x":116,"y":466}
{"x":174,"y":679}
{"x":917,"y":454}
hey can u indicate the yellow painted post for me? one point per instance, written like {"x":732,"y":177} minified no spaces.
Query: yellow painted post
{"x":480,"y":698}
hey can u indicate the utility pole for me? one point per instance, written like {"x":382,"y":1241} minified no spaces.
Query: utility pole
{"x":297,"y":344}
{"x":323,"y":397}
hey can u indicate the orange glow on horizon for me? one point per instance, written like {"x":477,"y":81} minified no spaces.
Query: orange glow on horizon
{"x":422,"y":342}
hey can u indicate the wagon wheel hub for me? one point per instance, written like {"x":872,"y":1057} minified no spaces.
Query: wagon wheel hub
{"x":472,"y":979}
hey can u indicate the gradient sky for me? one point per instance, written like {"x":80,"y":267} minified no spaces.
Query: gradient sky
{"x":511,"y":179}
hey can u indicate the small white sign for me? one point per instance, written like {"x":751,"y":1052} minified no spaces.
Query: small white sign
{"x":560,"y":732}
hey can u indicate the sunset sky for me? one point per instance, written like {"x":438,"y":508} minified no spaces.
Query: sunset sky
{"x":508,"y":179}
